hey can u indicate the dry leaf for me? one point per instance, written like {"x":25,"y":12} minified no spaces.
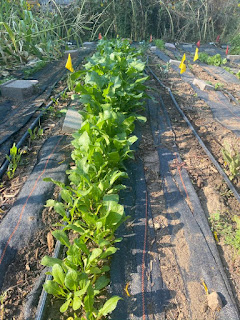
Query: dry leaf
{"x":50,"y":242}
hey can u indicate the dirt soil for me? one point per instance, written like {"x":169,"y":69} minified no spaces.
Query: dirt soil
{"x":213,"y":192}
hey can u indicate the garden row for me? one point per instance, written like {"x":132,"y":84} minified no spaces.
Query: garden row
{"x":111,"y":89}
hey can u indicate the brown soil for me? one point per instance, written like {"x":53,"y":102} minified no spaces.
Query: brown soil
{"x":209,"y":185}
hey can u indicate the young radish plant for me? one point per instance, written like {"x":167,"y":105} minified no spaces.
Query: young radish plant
{"x":111,"y":88}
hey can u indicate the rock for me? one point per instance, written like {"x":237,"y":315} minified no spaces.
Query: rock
{"x":202,"y":84}
{"x":157,"y":225}
{"x":214,"y":301}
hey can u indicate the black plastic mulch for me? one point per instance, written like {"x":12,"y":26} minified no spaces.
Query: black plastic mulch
{"x":127,"y":263}
{"x":223,"y":111}
{"x":24,"y":218}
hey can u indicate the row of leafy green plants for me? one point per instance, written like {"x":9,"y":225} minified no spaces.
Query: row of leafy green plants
{"x":112,"y":90}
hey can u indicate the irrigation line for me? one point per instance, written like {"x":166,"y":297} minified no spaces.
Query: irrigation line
{"x":209,"y":154}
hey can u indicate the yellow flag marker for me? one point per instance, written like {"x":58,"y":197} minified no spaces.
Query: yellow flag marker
{"x":69,"y":64}
{"x":183,"y":69}
{"x":182,"y":61}
{"x":196,"y":55}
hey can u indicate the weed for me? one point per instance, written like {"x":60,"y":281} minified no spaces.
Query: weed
{"x":159,"y":43}
{"x":14,"y":159}
{"x":232,"y":160}
{"x":218,"y":86}
{"x":164,"y":69}
{"x":38,"y":66}
{"x":229,"y":230}
{"x":3,"y":297}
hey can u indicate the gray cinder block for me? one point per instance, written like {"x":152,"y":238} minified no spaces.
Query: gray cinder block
{"x":72,"y":121}
{"x":176,"y":62}
{"x":202,"y":84}
{"x":234,"y":58}
{"x":18,"y":89}
{"x":170,"y":46}
{"x":73,"y":53}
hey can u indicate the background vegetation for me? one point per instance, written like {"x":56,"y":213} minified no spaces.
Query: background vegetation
{"x":42,"y":30}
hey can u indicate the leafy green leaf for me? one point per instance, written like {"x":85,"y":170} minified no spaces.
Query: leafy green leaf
{"x":58,"y":274}
{"x":101,"y":282}
{"x":61,"y":236}
{"x":109,"y":306}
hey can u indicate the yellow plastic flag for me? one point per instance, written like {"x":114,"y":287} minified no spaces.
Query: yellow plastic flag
{"x":183,"y":69}
{"x":182,"y":61}
{"x":69,"y":63}
{"x":196,"y":55}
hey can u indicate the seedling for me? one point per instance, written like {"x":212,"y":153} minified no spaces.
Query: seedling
{"x":218,"y":86}
{"x":14,"y":159}
{"x":36,"y":133}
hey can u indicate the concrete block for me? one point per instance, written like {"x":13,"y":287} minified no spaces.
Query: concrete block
{"x":73,"y":53}
{"x":175,"y":62}
{"x":187,"y":46}
{"x":153,"y":48}
{"x":18,"y":89}
{"x":72,"y":121}
{"x":170,"y":46}
{"x":234,"y":58}
{"x":88,"y":44}
{"x":202,"y":84}
{"x":209,"y":50}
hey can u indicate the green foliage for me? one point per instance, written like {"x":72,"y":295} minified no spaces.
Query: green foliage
{"x":232,"y":160}
{"x":214,"y":60}
{"x":229,"y":230}
{"x":159,"y":43}
{"x":36,"y":133}
{"x":218,"y":86}
{"x":14,"y":159}
{"x":38,"y":66}
{"x":110,"y":88}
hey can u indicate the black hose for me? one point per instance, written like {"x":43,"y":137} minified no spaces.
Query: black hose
{"x":211,"y":157}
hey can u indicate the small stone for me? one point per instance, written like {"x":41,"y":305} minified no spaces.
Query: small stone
{"x":157,"y":225}
{"x":214,"y":301}
{"x":200,"y":183}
